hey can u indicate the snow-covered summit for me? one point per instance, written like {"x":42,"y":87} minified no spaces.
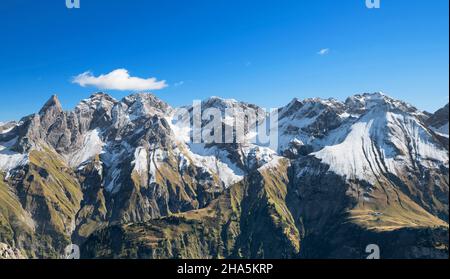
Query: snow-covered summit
{"x":393,"y":131}
{"x":387,"y":137}
{"x":367,"y":101}
{"x":144,"y":104}
{"x":96,"y":101}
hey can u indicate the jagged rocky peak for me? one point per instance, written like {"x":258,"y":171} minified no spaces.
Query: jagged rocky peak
{"x":98,"y":100}
{"x":220,"y":103}
{"x":365,"y":101}
{"x":51,"y":112}
{"x":223,"y":104}
{"x":359,"y":104}
{"x":291,"y":108}
{"x":144,"y":105}
{"x":310,"y":107}
{"x":101,"y":102}
{"x":307,"y":120}
{"x":53,"y":105}
{"x":355,"y":105}
{"x":94,"y":112}
{"x":231,"y":111}
{"x":49,"y":126}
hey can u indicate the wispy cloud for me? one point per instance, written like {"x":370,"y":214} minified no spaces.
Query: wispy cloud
{"x":323,"y":51}
{"x":180,"y":83}
{"x":119,"y":79}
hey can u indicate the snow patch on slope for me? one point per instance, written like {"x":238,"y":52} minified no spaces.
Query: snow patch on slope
{"x":407,"y":133}
{"x":140,"y":160}
{"x":92,"y":145}
{"x":156,"y":156}
{"x":7,"y":130}
{"x":442,"y":131}
{"x":215,"y":160}
{"x":272,"y":164}
{"x":180,"y":127}
{"x":256,"y":157}
{"x":353,"y":157}
{"x":380,"y":142}
{"x":10,"y":159}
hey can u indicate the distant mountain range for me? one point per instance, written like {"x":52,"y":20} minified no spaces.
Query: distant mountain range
{"x":122,"y":179}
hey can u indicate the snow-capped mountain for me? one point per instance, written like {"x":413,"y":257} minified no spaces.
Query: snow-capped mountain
{"x":366,"y":135}
{"x":371,"y":165}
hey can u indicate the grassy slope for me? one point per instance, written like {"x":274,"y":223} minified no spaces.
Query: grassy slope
{"x":249,"y":220}
{"x":14,"y":220}
{"x":38,"y":218}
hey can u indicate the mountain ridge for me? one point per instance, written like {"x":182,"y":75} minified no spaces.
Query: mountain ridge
{"x":110,"y":163}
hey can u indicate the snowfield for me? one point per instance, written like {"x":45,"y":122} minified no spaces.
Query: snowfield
{"x":380,"y":142}
{"x":92,"y":145}
{"x":10,"y":159}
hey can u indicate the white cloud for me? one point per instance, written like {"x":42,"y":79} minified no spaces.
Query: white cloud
{"x":119,"y":79}
{"x":324,"y":51}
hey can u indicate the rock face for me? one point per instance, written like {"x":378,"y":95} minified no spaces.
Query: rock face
{"x":8,"y":253}
{"x":439,"y":120}
{"x":439,"y":124}
{"x":123,"y":179}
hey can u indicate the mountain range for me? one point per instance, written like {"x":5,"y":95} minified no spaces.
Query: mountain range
{"x":123,"y":179}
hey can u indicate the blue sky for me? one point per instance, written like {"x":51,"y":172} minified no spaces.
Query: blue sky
{"x":259,"y":51}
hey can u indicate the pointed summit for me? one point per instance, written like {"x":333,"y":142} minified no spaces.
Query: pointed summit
{"x":52,"y":104}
